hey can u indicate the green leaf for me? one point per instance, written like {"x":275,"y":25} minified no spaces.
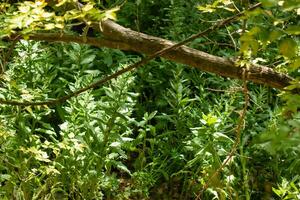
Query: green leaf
{"x":288,"y":47}
{"x":295,"y":64}
{"x":4,"y":177}
{"x":88,"y":59}
{"x":111,"y":14}
{"x":108,"y":60}
{"x":289,"y":5}
{"x":278,"y":192}
{"x":269,"y":3}
{"x":293,"y":30}
{"x":221,"y":136}
{"x":121,"y":167}
{"x":206,"y":9}
{"x":274,"y":35}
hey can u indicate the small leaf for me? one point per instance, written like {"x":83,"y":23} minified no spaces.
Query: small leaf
{"x":24,"y":9}
{"x":295,"y":64}
{"x":269,"y":3}
{"x":88,"y":59}
{"x":222,"y":136}
{"x":206,"y":9}
{"x":49,"y":26}
{"x":87,"y":7}
{"x":152,"y":115}
{"x":274,"y":35}
{"x":111,"y":14}
{"x":60,"y":26}
{"x":115,"y":144}
{"x":62,"y":2}
{"x":121,"y":167}
{"x":4,"y":177}
{"x":294,"y":30}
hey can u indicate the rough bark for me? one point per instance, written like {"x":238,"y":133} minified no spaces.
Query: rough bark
{"x":116,"y":36}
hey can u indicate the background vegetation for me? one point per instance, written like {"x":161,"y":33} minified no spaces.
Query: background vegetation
{"x":162,"y":131}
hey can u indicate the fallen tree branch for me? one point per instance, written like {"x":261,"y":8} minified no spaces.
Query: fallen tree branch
{"x":126,"y":39}
{"x":116,"y":36}
{"x":146,"y":44}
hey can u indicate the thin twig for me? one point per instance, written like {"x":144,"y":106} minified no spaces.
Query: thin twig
{"x":232,"y":39}
{"x":131,"y":67}
{"x":238,"y":136}
{"x":216,"y":43}
{"x":274,"y":63}
{"x":230,"y":90}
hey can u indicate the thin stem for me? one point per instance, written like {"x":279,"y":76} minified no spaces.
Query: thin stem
{"x":239,"y":128}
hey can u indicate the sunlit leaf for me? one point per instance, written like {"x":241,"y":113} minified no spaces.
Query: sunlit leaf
{"x":88,"y":59}
{"x":24,"y":9}
{"x":49,"y":26}
{"x":111,"y":14}
{"x":87,"y":7}
{"x":206,"y":9}
{"x":61,"y":2}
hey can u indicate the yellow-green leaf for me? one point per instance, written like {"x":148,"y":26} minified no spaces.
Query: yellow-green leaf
{"x":60,"y":26}
{"x":294,"y":30}
{"x":60,"y":3}
{"x":274,"y":35}
{"x":49,"y":26}
{"x":269,"y":3}
{"x":288,"y":47}
{"x":24,"y":9}
{"x":207,"y":8}
{"x":111,"y":14}
{"x":87,"y":7}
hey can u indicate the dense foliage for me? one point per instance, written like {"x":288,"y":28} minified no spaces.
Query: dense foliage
{"x":161,"y":132}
